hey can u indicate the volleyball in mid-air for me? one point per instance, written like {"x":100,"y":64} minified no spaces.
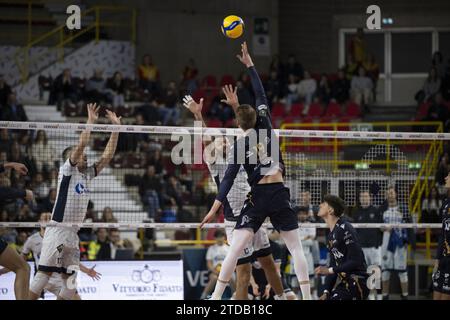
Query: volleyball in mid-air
{"x":232,"y":27}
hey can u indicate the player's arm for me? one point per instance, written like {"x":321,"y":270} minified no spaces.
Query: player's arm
{"x":19,"y":167}
{"x":90,"y":272}
{"x":9,"y":193}
{"x":258,"y":88}
{"x":110,"y":149}
{"x":85,"y":135}
{"x":224,"y":188}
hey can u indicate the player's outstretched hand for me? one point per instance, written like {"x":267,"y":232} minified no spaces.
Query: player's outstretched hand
{"x":230,"y":95}
{"x":207,"y":218}
{"x":19,"y":167}
{"x":111,"y":116}
{"x":93,"y":274}
{"x":245,"y":56}
{"x":194,"y":107}
{"x":93,"y":110}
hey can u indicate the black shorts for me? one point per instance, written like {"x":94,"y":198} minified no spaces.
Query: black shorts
{"x":3,"y":245}
{"x":441,"y":278}
{"x":271,"y":200}
{"x":351,"y":289}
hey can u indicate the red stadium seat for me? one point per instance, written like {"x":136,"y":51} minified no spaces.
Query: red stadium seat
{"x":423,"y":110}
{"x":214,"y":123}
{"x":227,"y":79}
{"x":209,"y":81}
{"x":333,"y":110}
{"x":296,"y":110}
{"x":315,"y":110}
{"x":353,"y":110}
{"x":278,"y":110}
{"x":198,"y":94}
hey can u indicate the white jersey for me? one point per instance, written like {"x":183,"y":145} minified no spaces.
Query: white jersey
{"x":73,"y":193}
{"x":391,"y":215}
{"x":238,"y":192}
{"x":33,"y":245}
{"x":217,"y":254}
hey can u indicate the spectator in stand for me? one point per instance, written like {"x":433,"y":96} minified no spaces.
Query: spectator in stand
{"x":189,"y":77}
{"x":5,"y":90}
{"x":431,"y":86}
{"x":439,"y":64}
{"x":438,"y":111}
{"x":100,"y":248}
{"x":63,"y":89}
{"x":86,"y":234}
{"x":25,"y":214}
{"x":42,"y":153}
{"x":150,"y":190}
{"x":22,"y":236}
{"x":116,"y":88}
{"x":148,"y":75}
{"x":172,"y":193}
{"x":151,"y":112}
{"x":373,"y":72}
{"x":291,"y":92}
{"x":350,"y":68}
{"x":40,"y":187}
{"x":16,"y":156}
{"x":361,"y":88}
{"x":442,"y":170}
{"x":306,"y":90}
{"x":155,"y":159}
{"x":431,"y":206}
{"x":108,"y":216}
{"x":220,"y":110}
{"x":324,"y":90}
{"x":293,"y":67}
{"x":170,"y":112}
{"x":340,"y":88}
{"x":115,"y":243}
{"x":53,"y":178}
{"x":13,"y":111}
{"x":25,"y":143}
{"x":277,"y":66}
{"x":96,"y":88}
{"x":48,"y":203}
{"x":358,"y":46}
{"x":273,"y":88}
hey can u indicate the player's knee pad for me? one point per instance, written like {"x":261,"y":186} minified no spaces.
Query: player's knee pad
{"x":385,"y":275}
{"x":403,"y":276}
{"x":39,"y":282}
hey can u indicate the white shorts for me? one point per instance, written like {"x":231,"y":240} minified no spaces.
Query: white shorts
{"x":60,"y":250}
{"x":394,"y":261}
{"x":373,"y":256}
{"x":259,"y":245}
{"x":55,"y":283}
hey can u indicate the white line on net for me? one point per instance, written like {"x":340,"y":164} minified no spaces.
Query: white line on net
{"x":14,"y":125}
{"x":206,"y":226}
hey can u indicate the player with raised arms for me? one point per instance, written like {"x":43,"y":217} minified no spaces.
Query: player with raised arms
{"x":268,"y":197}
{"x":259,"y":246}
{"x":60,"y":246}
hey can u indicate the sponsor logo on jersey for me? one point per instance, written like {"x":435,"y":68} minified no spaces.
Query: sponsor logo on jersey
{"x":81,"y":189}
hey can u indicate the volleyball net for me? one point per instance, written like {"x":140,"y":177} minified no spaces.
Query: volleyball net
{"x":150,"y":184}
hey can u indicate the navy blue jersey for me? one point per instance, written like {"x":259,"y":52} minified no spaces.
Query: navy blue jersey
{"x":444,"y":241}
{"x":346,"y":255}
{"x":254,"y":150}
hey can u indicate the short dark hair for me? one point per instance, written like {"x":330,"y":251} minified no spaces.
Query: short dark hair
{"x":246,"y":116}
{"x":66,"y":153}
{"x":336,"y":203}
{"x":219,"y":233}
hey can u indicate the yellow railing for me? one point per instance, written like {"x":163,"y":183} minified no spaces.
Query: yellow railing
{"x":22,"y":56}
